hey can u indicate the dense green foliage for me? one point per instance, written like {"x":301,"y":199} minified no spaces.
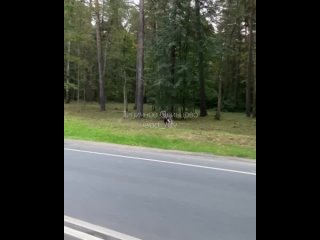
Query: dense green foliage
{"x":187,"y":44}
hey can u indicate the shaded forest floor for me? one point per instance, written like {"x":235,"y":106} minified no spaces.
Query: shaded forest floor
{"x":234,"y":135}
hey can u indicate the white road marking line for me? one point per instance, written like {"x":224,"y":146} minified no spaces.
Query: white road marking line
{"x":160,"y":161}
{"x":79,"y":235}
{"x":99,"y":229}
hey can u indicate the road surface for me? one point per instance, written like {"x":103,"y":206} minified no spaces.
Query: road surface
{"x":159,"y":195}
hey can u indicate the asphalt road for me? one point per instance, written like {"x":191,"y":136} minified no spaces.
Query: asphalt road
{"x":67,"y":237}
{"x":160,"y":195}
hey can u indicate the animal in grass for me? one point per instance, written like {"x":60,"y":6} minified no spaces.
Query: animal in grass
{"x":167,"y":118}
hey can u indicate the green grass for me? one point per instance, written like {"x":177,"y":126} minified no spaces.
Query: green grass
{"x":233,"y":136}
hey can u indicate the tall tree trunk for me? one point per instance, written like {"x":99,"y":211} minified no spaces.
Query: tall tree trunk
{"x":218,"y":113}
{"x":238,"y":54}
{"x":140,"y":62}
{"x":238,"y":71}
{"x":173,"y":67}
{"x":254,"y":82}
{"x":250,"y":66}
{"x":125,"y":100}
{"x":105,"y":60}
{"x":254,"y":98}
{"x":156,"y":25}
{"x":202,"y":93}
{"x":68,"y":74}
{"x":237,"y":80}
{"x":185,"y":60}
{"x":78,"y":95}
{"x":135,"y":90}
{"x":173,"y":59}
{"x":254,"y":39}
{"x":99,"y":55}
{"x":234,"y":77}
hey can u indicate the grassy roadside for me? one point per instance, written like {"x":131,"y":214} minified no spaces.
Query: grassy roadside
{"x":233,"y":136}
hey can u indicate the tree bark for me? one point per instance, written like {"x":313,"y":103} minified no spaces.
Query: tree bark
{"x":99,"y":55}
{"x":78,"y":95}
{"x":254,"y":84}
{"x":202,"y":93}
{"x":250,"y":66}
{"x":125,"y":100}
{"x":254,"y":75}
{"x":140,"y":62}
{"x":218,"y":113}
{"x":173,"y":67}
{"x":68,"y":74}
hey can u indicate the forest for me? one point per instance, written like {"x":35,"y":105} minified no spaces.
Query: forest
{"x":178,"y":56}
